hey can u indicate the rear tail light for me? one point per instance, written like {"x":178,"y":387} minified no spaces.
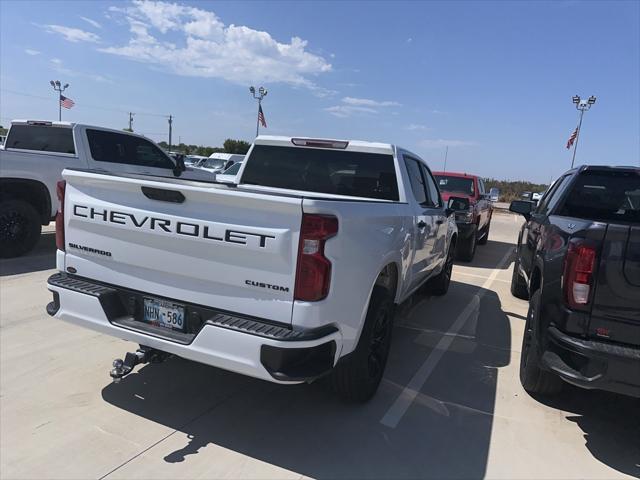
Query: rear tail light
{"x":60,"y":189}
{"x":579,"y":268}
{"x":313,"y":275}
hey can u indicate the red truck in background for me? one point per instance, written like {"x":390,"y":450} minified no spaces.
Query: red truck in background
{"x":474,"y":219}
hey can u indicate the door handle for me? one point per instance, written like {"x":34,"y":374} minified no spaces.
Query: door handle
{"x":421,"y":224}
{"x":440,"y":221}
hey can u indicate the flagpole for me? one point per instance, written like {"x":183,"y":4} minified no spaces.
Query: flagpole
{"x":262,"y":92}
{"x":577,"y":138}
{"x":58,"y":87}
{"x":258,"y":117}
{"x":581,"y":105}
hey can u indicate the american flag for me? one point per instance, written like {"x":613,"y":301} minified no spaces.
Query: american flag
{"x":261,"y":119}
{"x":572,"y":138}
{"x":66,"y":102}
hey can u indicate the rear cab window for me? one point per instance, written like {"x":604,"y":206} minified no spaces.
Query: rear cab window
{"x":607,"y":196}
{"x":115,"y":147}
{"x":453,"y":184}
{"x":41,"y":138}
{"x":338,"y":172}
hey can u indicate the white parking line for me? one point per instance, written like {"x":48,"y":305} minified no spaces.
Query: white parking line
{"x":409,"y":393}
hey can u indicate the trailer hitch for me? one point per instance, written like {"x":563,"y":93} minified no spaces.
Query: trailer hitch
{"x":131,"y":359}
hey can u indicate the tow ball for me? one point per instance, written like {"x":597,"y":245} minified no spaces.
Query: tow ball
{"x":131,"y":359}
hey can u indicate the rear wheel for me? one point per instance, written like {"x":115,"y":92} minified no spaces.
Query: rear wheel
{"x":357,"y":376}
{"x":532,"y":377}
{"x":467,"y":247}
{"x":439,"y":285}
{"x":19,"y":228}
{"x":518,"y":283}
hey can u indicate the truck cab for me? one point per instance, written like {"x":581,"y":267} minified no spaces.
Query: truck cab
{"x":474,"y":217}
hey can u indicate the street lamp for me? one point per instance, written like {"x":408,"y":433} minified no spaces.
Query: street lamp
{"x":58,"y":87}
{"x":262,"y":92}
{"x":583,"y":105}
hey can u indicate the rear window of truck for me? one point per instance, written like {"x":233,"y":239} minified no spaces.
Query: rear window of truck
{"x":604,"y":196}
{"x":354,"y":174}
{"x":41,"y":138}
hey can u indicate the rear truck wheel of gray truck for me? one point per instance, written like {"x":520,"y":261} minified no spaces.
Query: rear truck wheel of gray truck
{"x":467,"y":246}
{"x":20,"y":228}
{"x":518,"y":284}
{"x":440,"y":284}
{"x":357,"y":376}
{"x":532,"y":377}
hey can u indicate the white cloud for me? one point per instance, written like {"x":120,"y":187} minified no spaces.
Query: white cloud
{"x":358,"y":106}
{"x":439,"y":112}
{"x":91,"y":22}
{"x":368,"y":102}
{"x":417,"y":126}
{"x":442,"y":143}
{"x":31,"y":52}
{"x":344,"y":111}
{"x":59,"y":67}
{"x":72,"y":34}
{"x":210,"y":48}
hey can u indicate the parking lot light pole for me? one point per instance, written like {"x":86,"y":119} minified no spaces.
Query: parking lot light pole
{"x":58,"y":87}
{"x":262,"y":92}
{"x":583,"y":106}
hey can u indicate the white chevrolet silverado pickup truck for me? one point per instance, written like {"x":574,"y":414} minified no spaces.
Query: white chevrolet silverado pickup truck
{"x":290,"y":275}
{"x":32,"y":160}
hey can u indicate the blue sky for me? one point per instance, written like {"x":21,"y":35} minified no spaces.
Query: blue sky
{"x":493,"y":80}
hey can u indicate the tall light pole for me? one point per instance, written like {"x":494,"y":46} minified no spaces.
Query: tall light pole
{"x":58,"y":87}
{"x":170,"y":126}
{"x":583,"y":106}
{"x":262,"y":92}
{"x":131,"y":114}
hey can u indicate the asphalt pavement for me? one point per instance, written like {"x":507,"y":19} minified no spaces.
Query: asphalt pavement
{"x":450,"y":404}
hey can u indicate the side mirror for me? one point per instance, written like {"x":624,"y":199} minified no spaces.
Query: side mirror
{"x":180,"y":166}
{"x":522,"y":207}
{"x":456,"y":204}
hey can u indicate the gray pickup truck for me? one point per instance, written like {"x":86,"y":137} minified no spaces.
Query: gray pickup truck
{"x":578,"y":262}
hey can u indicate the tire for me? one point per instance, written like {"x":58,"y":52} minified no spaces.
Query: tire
{"x":518,"y":283}
{"x":439,"y":285}
{"x":485,"y":234}
{"x":357,"y":375}
{"x":532,"y":377}
{"x":467,"y":247}
{"x":20,"y":228}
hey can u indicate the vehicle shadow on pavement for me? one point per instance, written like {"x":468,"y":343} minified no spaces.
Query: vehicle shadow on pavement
{"x":445,"y":431}
{"x":610,"y":422}
{"x":489,"y":255}
{"x":42,"y":257}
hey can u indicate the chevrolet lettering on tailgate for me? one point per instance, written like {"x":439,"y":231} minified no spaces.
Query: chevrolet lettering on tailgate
{"x":207,"y":231}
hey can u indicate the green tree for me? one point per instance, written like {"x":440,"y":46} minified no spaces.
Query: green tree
{"x":236,"y":146}
{"x":3,"y":131}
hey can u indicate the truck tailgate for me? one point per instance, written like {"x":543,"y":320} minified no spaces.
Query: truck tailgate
{"x":616,"y":306}
{"x":194,"y":242}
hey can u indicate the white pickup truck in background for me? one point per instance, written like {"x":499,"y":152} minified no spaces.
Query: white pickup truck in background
{"x":32,"y":160}
{"x":290,"y":275}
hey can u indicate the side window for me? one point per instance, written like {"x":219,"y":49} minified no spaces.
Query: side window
{"x":481,"y":186}
{"x":115,"y":147}
{"x":417,"y":182}
{"x":41,"y":138}
{"x":553,"y":195}
{"x":434,"y":193}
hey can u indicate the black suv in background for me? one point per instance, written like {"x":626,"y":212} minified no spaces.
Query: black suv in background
{"x":578,"y":263}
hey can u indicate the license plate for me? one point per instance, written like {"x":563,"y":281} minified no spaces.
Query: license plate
{"x":163,"y":313}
